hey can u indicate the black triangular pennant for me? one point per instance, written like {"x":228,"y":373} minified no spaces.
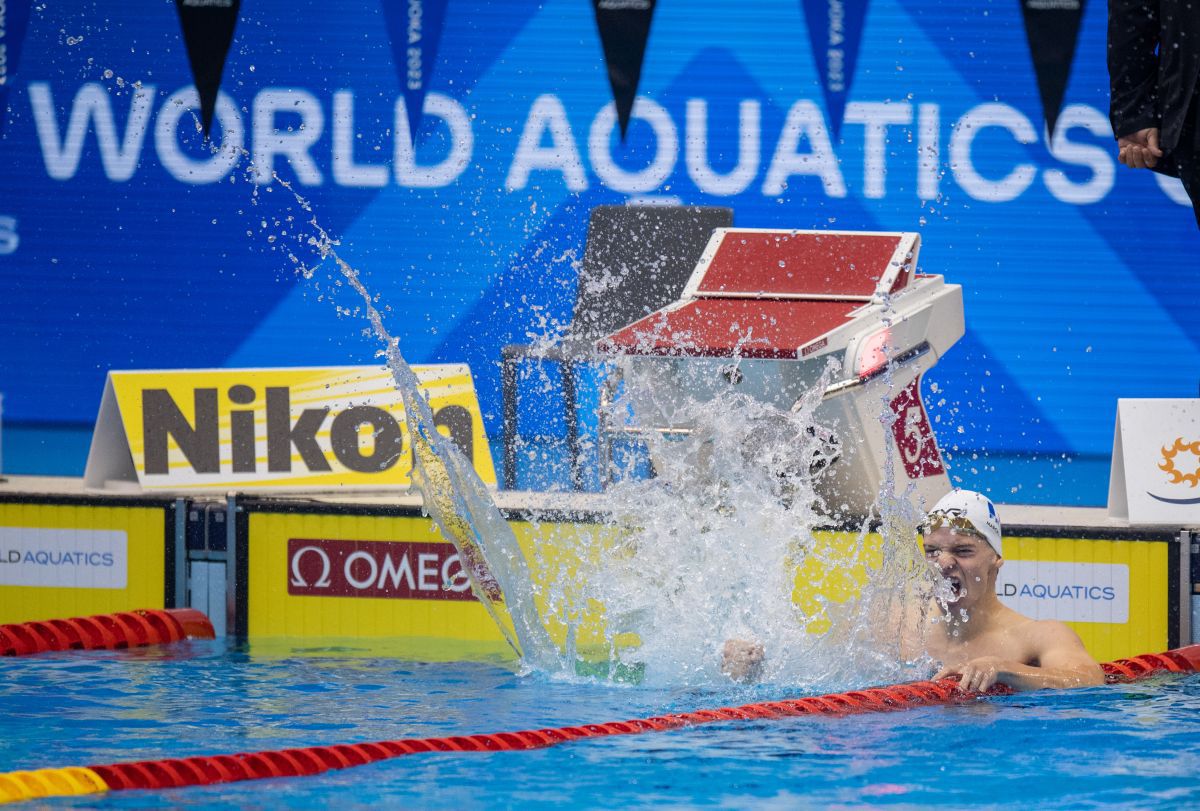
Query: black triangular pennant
{"x":208,"y":32}
{"x":835,"y":30}
{"x":415,"y":29}
{"x":624,"y":27}
{"x":1052,"y":27}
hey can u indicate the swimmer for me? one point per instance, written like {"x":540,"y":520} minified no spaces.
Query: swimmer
{"x":976,"y":637}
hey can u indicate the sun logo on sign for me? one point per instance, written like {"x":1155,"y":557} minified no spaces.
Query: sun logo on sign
{"x":1168,"y":465}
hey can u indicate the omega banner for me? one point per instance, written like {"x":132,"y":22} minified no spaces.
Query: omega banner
{"x":304,"y":428}
{"x":410,"y":570}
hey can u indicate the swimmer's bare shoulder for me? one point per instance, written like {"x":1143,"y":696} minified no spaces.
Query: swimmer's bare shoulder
{"x":1053,"y":642}
{"x":1037,"y":655}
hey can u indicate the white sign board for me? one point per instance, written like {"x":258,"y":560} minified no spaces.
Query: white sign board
{"x":75,"y":558}
{"x":1155,"y":475}
{"x":1072,"y":592}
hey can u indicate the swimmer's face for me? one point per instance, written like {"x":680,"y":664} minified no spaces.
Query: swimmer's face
{"x":967,"y":562}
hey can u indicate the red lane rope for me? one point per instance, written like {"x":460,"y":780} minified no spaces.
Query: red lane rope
{"x":191,"y":771}
{"x":124,"y":629}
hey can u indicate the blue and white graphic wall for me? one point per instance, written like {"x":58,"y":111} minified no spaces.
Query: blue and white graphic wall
{"x":126,"y":243}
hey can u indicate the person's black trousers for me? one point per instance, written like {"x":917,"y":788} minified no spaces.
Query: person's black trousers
{"x":1187,"y":156}
{"x":1188,"y":162}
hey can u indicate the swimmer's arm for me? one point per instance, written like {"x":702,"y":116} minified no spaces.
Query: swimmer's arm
{"x":1063,"y":662}
{"x":913,"y":644}
{"x":978,"y":675}
{"x":1062,"y":659}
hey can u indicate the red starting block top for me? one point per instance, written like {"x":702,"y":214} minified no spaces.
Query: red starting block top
{"x":769,"y":294}
{"x":748,"y":328}
{"x":803,"y":264}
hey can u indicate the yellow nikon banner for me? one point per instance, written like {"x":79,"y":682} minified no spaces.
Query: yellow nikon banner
{"x":296,"y":429}
{"x":69,"y":560}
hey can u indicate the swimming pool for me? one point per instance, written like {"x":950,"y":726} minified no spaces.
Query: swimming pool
{"x":1126,"y":745}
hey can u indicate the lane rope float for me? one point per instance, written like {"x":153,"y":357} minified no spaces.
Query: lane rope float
{"x":124,"y":629}
{"x":206,"y":770}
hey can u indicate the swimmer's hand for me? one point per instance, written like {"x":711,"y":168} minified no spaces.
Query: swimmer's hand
{"x":976,"y":675}
{"x":742,"y":660}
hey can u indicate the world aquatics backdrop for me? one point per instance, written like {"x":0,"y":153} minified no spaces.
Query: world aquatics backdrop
{"x":125,"y":244}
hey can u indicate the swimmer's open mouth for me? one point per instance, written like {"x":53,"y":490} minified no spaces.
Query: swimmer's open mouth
{"x":956,"y":589}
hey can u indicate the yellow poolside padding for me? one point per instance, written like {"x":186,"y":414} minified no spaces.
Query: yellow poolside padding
{"x":831,"y":573}
{"x":17,"y":786}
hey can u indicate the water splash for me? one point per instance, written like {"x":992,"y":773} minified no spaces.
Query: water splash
{"x":893,"y":609}
{"x":708,"y":550}
{"x":451,"y":491}
{"x":457,"y":500}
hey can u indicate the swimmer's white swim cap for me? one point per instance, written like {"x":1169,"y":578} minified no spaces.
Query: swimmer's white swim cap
{"x":967,"y":511}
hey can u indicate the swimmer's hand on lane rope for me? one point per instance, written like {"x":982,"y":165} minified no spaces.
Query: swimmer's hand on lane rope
{"x":741,"y":660}
{"x":974,"y":676}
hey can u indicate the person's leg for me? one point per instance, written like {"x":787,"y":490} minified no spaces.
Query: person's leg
{"x":1189,"y":173}
{"x":1188,"y":159}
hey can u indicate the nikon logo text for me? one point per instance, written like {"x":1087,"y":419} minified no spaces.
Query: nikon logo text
{"x":361,"y":438}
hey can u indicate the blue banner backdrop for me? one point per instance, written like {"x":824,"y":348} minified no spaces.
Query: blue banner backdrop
{"x":14,"y":20}
{"x":128,"y":241}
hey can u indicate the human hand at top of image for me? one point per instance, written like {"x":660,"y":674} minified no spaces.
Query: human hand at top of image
{"x":1139,"y":150}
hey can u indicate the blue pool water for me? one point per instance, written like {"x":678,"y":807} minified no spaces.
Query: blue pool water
{"x":1129,"y":746}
